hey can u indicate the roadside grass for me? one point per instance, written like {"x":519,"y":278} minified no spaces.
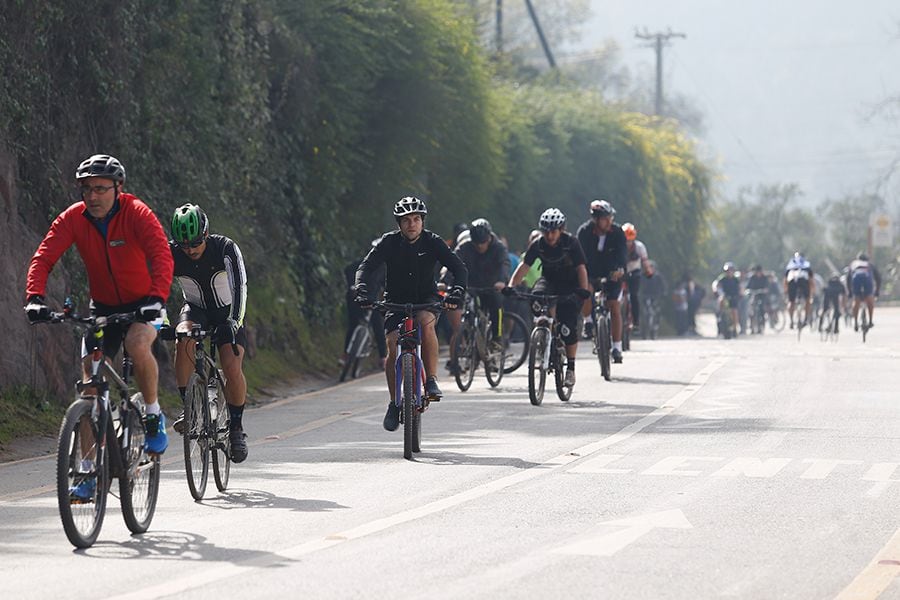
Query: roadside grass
{"x":25,"y":412}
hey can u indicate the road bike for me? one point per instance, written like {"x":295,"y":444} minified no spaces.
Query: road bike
{"x":409,"y":388}
{"x":602,"y":329}
{"x":547,"y":351}
{"x":358,"y":348}
{"x":206,"y":423}
{"x":864,"y":324}
{"x":803,"y":316}
{"x":475,"y":343}
{"x":651,"y":317}
{"x":101,"y":439}
{"x":757,"y":310}
{"x":828,"y":324}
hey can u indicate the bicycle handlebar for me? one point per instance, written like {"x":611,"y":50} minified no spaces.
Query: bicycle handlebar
{"x":197,"y":334}
{"x":408,"y":308}
{"x":95,"y":320}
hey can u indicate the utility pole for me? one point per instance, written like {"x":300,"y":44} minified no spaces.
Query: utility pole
{"x":540,"y":32}
{"x":499,"y":26}
{"x":660,"y":39}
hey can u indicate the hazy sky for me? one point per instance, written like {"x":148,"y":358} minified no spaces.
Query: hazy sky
{"x":786,"y":87}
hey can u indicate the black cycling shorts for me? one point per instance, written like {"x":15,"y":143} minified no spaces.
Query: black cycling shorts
{"x":798,"y":288}
{"x":113,"y":334}
{"x":568,"y":312}
{"x":393,"y":319}
{"x":213,"y":320}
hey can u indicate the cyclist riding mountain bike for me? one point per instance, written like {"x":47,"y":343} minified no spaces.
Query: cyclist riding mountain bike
{"x":210,"y":269}
{"x":834,"y":295}
{"x":129,"y":269}
{"x":636,"y":265}
{"x":410,"y":256}
{"x":563,"y":274}
{"x":355,"y":313}
{"x":653,"y":287}
{"x":798,"y":283}
{"x":487,"y":262}
{"x":605,"y":250}
{"x":728,"y":288}
{"x":865,"y":285}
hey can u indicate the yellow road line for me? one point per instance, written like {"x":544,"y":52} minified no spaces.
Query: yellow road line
{"x":877,"y":575}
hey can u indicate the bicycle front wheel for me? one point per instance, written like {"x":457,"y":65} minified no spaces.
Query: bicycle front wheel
{"x":466,"y":353}
{"x":409,"y":410}
{"x":82,"y":475}
{"x":537,"y":375}
{"x":139,"y":483}
{"x":516,"y":339}
{"x":196,"y":437}
{"x":602,"y":346}
{"x":221,"y":459}
{"x":494,"y":363}
{"x":563,"y":391}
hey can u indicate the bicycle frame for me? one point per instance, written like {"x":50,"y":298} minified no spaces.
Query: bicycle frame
{"x":409,"y":341}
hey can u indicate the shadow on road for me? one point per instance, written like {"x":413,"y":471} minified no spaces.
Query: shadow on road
{"x":239,"y":498}
{"x":455,"y":458}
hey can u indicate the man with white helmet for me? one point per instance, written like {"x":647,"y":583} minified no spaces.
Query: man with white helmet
{"x":563,"y":273}
{"x":799,"y":283}
{"x":637,"y":263}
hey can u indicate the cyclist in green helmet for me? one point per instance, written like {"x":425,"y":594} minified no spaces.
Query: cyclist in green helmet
{"x":210,"y":269}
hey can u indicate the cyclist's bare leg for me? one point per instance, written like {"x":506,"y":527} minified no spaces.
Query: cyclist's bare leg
{"x":138,"y":343}
{"x":232,"y":367}
{"x":870,"y":304}
{"x":426,"y":322}
{"x":390,"y":363}
{"x":184,"y":355}
{"x":571,"y":350}
{"x":615,"y":317}
{"x":855,"y":308}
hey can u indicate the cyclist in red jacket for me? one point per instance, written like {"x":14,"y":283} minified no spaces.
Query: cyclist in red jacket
{"x":129,"y":267}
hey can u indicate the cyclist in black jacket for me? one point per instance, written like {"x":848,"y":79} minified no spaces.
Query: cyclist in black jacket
{"x":605,"y":249}
{"x":210,"y":269}
{"x":410,"y":256}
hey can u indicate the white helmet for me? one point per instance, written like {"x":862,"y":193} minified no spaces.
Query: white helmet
{"x":408,"y":206}
{"x":551,"y":219}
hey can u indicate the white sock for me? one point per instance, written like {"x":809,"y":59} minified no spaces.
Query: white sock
{"x":87,"y":465}
{"x":589,"y":319}
{"x":617,"y":346}
{"x":153,"y":409}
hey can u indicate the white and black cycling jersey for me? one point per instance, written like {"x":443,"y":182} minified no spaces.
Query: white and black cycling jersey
{"x":217,"y":280}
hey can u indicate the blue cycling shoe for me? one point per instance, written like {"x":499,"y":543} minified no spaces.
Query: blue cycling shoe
{"x":156,"y":440}
{"x":84,"y":491}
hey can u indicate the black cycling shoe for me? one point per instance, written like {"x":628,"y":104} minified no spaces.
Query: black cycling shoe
{"x":178,"y":425}
{"x":453,"y":368}
{"x":616,"y":355}
{"x":392,"y":417}
{"x":432,"y":391}
{"x":237,"y":439}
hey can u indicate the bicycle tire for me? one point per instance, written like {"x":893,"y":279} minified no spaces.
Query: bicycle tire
{"x":139,"y":482}
{"x":495,"y":375}
{"x":352,"y":359}
{"x":517,"y":339}
{"x":563,"y":391}
{"x":537,"y":376}
{"x":603,"y":346}
{"x":626,"y":329}
{"x":466,"y":353}
{"x":221,"y":454}
{"x":864,"y":327}
{"x":81,"y":526}
{"x":409,"y":404}
{"x":196,"y":437}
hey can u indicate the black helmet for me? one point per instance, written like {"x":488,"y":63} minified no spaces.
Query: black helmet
{"x":480,"y":230}
{"x":862,"y":256}
{"x":101,"y":165}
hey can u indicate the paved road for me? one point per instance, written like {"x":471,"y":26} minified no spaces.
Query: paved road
{"x":753,"y":468}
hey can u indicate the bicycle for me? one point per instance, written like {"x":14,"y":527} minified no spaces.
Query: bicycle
{"x":547,"y":351}
{"x":100,"y":440}
{"x":803,"y":317}
{"x":206,"y":416}
{"x":828,"y":324}
{"x":602,"y":329}
{"x":757,"y":310}
{"x":358,"y":348}
{"x":409,"y":371}
{"x":865,"y":325}
{"x":516,"y":339}
{"x":475,"y":343}
{"x":650,"y":318}
{"x":627,"y":317}
{"x":726,"y":325}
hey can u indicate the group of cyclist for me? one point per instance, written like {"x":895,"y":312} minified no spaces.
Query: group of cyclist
{"x":859,"y":281}
{"x":130,"y":266}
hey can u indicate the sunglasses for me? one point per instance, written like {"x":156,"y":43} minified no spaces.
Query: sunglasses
{"x":97,"y":189}
{"x":194,"y":244}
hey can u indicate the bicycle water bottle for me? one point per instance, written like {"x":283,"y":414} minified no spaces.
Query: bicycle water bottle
{"x":211,"y":395}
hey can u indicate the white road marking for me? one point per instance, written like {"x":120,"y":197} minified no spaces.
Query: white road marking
{"x":598,"y":465}
{"x":672,"y":465}
{"x":821,"y":468}
{"x":608,"y":544}
{"x":752,"y":467}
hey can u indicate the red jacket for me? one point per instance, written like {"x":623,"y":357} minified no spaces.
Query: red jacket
{"x":133,"y":261}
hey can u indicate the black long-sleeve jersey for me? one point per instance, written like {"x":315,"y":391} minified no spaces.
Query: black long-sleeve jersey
{"x":602,"y":256}
{"x":217,"y":280}
{"x":411,"y":270}
{"x":485,"y":269}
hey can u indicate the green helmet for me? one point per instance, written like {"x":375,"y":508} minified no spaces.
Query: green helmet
{"x":189,"y":224}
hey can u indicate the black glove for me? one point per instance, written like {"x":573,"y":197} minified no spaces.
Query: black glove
{"x":37,"y":309}
{"x":150,"y":309}
{"x":508,"y":291}
{"x":362,"y":296}
{"x":582,"y":293}
{"x":455,"y":296}
{"x":232,"y":327}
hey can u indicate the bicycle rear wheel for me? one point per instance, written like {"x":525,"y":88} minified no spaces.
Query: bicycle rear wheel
{"x":196,"y":437}
{"x":409,"y":405}
{"x":864,"y":325}
{"x":221,"y":457}
{"x":494,"y":363}
{"x":563,"y":391}
{"x":81,"y":518}
{"x":466,"y":353}
{"x":139,"y":483}
{"x":351,"y":365}
{"x":602,"y":346}
{"x":537,"y":375}
{"x":516,"y":339}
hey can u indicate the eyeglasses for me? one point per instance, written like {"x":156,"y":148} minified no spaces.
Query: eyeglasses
{"x":194,"y":244}
{"x":97,"y":189}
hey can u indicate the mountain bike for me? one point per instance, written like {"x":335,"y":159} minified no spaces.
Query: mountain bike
{"x":475,"y":343}
{"x":547,"y":351}
{"x":650,"y":317}
{"x":516,"y":338}
{"x":757,"y":310}
{"x":101,"y":439}
{"x":206,"y":416}
{"x":602,"y":329}
{"x":409,"y":389}
{"x":358,"y":348}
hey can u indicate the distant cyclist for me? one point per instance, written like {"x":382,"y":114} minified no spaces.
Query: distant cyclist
{"x":728,"y":289}
{"x":865,"y":285}
{"x":410,"y":256}
{"x":634,"y":268}
{"x":605,"y":250}
{"x":799,"y":283}
{"x":835,"y":296}
{"x":563,"y":273}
